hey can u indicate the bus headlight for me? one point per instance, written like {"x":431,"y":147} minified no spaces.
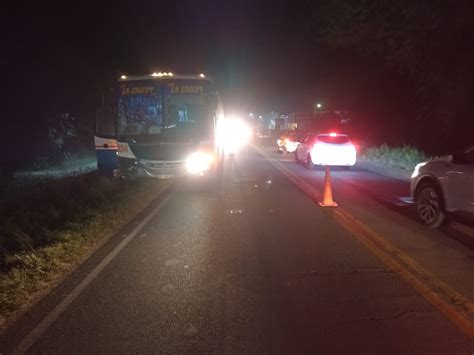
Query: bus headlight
{"x":199,"y":162}
{"x":232,"y":134}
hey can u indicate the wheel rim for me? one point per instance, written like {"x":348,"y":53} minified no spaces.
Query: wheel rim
{"x":428,"y":205}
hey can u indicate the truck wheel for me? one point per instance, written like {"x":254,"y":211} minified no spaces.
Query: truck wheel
{"x":429,"y":205}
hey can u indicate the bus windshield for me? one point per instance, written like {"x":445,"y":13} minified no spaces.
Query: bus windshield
{"x":190,"y":110}
{"x":140,"y":110}
{"x":160,"y":110}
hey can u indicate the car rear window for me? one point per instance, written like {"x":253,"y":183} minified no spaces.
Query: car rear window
{"x":339,"y":139}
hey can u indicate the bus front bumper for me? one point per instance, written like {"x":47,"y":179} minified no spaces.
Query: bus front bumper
{"x":132,"y":168}
{"x":162,"y":169}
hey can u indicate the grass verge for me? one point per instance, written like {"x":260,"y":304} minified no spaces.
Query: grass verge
{"x":52,"y":227}
{"x":14,"y":179}
{"x":404,"y":158}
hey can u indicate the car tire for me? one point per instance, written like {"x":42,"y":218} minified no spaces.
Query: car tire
{"x":309,"y":162}
{"x":429,"y":205}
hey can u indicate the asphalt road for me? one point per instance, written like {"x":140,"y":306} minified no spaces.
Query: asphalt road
{"x":255,"y":266}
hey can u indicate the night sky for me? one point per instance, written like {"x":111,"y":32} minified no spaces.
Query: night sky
{"x":250,"y":48}
{"x":60,"y":57}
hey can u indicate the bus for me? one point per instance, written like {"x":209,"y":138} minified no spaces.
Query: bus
{"x":160,"y":125}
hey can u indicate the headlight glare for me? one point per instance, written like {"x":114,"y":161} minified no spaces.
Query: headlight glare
{"x":199,"y":162}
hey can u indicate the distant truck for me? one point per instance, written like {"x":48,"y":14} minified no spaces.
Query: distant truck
{"x":322,"y":122}
{"x":302,"y":121}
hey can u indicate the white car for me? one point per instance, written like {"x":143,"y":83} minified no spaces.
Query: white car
{"x":326,"y":149}
{"x":288,"y":142}
{"x":444,"y":185}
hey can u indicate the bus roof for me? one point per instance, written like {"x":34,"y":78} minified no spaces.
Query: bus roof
{"x":164,"y":76}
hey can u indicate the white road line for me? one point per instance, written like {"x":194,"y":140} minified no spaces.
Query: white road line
{"x":44,"y":325}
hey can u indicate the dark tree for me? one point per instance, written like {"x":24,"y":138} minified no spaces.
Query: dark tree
{"x":428,"y":45}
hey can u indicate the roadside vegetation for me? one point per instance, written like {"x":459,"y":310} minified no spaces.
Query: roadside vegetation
{"x":74,"y":166}
{"x":405,"y":157}
{"x":15,"y":180}
{"x":50,"y":227}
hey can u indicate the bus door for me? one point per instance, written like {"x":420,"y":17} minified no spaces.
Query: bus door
{"x":106,"y":145}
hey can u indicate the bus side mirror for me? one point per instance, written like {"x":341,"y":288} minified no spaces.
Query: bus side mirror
{"x":104,"y":123}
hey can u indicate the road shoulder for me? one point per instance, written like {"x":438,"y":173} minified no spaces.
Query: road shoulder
{"x":71,"y":254}
{"x":384,"y":170}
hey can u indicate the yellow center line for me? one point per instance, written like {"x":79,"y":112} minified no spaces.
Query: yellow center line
{"x":454,"y":306}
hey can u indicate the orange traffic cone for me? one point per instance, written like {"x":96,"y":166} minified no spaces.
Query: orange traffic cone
{"x":327,"y":193}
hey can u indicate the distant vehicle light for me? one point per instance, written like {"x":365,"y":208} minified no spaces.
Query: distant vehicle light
{"x":154,"y":74}
{"x":199,"y":162}
{"x":202,"y":75}
{"x":333,"y":134}
{"x":170,"y":74}
{"x":123,"y":77}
